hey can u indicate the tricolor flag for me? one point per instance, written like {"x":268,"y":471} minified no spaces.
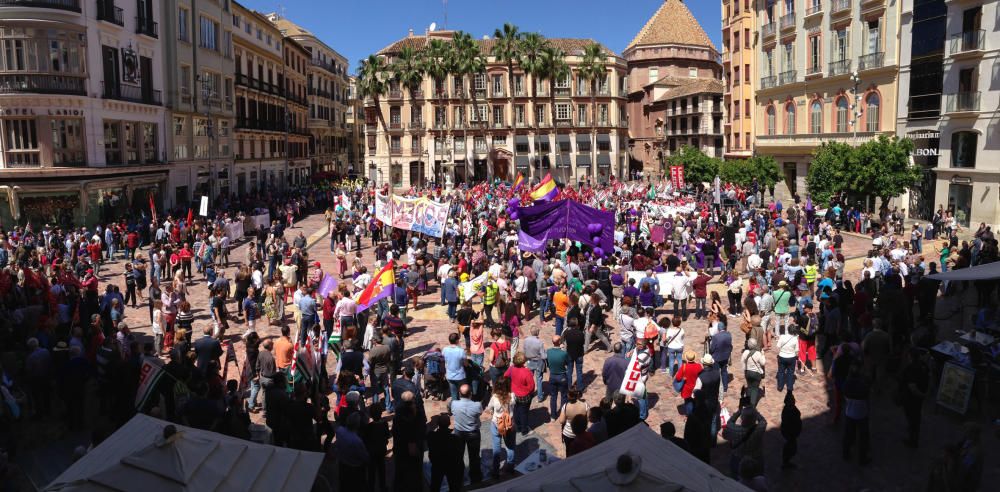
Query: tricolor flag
{"x":149,"y":374}
{"x":519,"y":182}
{"x":380,"y":287}
{"x":546,"y":190}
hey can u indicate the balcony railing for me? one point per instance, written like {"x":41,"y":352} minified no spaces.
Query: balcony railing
{"x":72,"y":5}
{"x":814,"y":69}
{"x":498,"y":93}
{"x":787,"y":21}
{"x":395,"y":94}
{"x":562,"y":91}
{"x":396,"y":150}
{"x":962,"y":102}
{"x":41,"y":84}
{"x":817,"y":139}
{"x":767,"y":30}
{"x":396,"y":125}
{"x":726,"y":56}
{"x":840,"y":67}
{"x":815,"y":8}
{"x":840,"y":6}
{"x":968,"y":41}
{"x":788,"y":77}
{"x":108,"y":12}
{"x":146,"y":26}
{"x":130,"y":93}
{"x":325,"y":65}
{"x":871,"y":60}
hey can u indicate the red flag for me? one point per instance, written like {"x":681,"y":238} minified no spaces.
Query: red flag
{"x":190,"y":217}
{"x":152,"y":207}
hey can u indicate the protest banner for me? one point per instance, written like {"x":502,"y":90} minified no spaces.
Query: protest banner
{"x":421,"y":214}
{"x":634,"y":384}
{"x":149,"y":375}
{"x":234,"y":231}
{"x":677,"y":177}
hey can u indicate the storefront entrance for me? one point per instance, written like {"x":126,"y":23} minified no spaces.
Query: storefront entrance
{"x":960,"y":202}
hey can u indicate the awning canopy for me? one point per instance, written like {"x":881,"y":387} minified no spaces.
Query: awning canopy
{"x":521,"y":139}
{"x":522,"y":161}
{"x":603,"y":159}
{"x":563,"y":160}
{"x":562,"y":138}
{"x":603,"y":138}
{"x":583,"y":160}
{"x":540,"y":141}
{"x":582,"y":137}
{"x":989,"y":271}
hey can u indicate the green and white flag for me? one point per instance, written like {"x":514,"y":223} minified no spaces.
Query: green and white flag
{"x":149,"y":376}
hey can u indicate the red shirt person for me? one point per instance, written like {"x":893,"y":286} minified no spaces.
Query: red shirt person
{"x":688,"y":373}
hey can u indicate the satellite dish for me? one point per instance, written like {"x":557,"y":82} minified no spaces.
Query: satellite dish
{"x":486,"y":37}
{"x":433,"y":26}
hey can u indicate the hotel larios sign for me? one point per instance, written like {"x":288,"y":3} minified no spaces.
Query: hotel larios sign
{"x":40,"y":112}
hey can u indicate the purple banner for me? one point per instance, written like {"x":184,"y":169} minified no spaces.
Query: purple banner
{"x":565,"y":219}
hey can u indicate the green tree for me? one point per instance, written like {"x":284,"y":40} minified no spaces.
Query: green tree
{"x":698,"y":167}
{"x":531,"y":61}
{"x":507,"y":49}
{"x":828,"y":171}
{"x":593,"y":69}
{"x":372,"y":85}
{"x":467,"y":61}
{"x":743,"y":171}
{"x":408,"y":71}
{"x":554,"y":68}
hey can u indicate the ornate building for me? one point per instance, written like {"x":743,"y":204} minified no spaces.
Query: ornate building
{"x":739,"y":60}
{"x":436,"y":133}
{"x":81,"y":115}
{"x":674,"y":88}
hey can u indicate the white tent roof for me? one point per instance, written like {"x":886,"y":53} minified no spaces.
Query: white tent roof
{"x":986,"y":271}
{"x":137,"y":457}
{"x":664,"y":467}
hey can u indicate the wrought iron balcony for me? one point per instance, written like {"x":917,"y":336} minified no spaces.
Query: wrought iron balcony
{"x":787,"y":21}
{"x":788,"y":77}
{"x":146,"y":26}
{"x":840,"y":7}
{"x":131,"y":93}
{"x":41,"y":84}
{"x":395,"y":94}
{"x":814,"y":69}
{"x":108,"y":12}
{"x":968,"y":41}
{"x":871,"y":60}
{"x":71,"y":5}
{"x":815,"y":8}
{"x":767,"y":30}
{"x":961,"y":102}
{"x":840,"y":67}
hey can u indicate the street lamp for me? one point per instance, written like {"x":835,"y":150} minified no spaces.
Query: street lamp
{"x":856,"y":79}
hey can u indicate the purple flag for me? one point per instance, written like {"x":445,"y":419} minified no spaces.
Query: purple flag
{"x":565,"y":219}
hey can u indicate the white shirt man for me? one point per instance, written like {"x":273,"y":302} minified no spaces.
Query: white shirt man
{"x":680,"y":283}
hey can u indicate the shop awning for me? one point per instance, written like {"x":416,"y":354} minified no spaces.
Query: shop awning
{"x":603,"y":138}
{"x":583,"y":160}
{"x":539,"y":142}
{"x":522,"y":161}
{"x":521,"y":139}
{"x":603,"y":159}
{"x":563,"y":160}
{"x":560,"y":139}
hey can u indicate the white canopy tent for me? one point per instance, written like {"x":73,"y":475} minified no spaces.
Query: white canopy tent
{"x":140,"y":457}
{"x":659,"y":465}
{"x":988,"y":271}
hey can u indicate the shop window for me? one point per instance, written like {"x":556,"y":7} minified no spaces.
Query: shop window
{"x":963,"y":149}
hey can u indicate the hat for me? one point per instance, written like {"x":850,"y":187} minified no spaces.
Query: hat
{"x":526,"y":254}
{"x":90,"y":270}
{"x":782,"y":284}
{"x":404,"y":265}
{"x":60,"y":347}
{"x":690,"y":356}
{"x":707,"y":360}
{"x":317,"y":264}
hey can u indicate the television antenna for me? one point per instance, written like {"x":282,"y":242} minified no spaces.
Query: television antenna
{"x":445,"y":3}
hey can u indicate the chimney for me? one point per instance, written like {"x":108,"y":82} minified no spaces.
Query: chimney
{"x":411,"y":33}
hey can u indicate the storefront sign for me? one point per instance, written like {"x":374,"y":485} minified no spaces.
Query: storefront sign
{"x":926,"y":143}
{"x":40,"y":112}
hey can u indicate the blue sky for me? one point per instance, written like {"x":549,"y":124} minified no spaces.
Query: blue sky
{"x":358,"y":28}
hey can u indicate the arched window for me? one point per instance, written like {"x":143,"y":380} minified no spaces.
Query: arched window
{"x":963,"y":149}
{"x":872,"y":112}
{"x":816,"y":117}
{"x":790,"y":118}
{"x":842,"y":110}
{"x":770,"y":120}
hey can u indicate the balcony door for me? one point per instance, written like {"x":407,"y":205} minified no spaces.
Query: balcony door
{"x":972,"y":19}
{"x":112,"y":72}
{"x":967,"y":80}
{"x":146,"y":78}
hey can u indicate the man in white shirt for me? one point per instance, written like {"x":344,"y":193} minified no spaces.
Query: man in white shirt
{"x":521,"y":285}
{"x":680,"y":283}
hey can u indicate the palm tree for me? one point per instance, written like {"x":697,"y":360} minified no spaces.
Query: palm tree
{"x":531,"y":62}
{"x":408,"y":71}
{"x":468,"y":61}
{"x":593,"y":68}
{"x":371,"y":84}
{"x":507,"y":49}
{"x":554,"y":68}
{"x":437,"y":64}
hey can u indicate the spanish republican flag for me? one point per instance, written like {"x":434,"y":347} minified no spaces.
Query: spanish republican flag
{"x":380,"y":287}
{"x":546,"y":190}
{"x":519,"y":182}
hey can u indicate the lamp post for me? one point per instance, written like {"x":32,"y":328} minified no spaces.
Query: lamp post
{"x":856,"y":79}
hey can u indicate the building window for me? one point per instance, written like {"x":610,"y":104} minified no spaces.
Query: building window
{"x":872,"y":114}
{"x":519,"y":84}
{"x":21,"y":147}
{"x":770,"y":120}
{"x":178,"y":126}
{"x":149,"y":142}
{"x":521,"y":147}
{"x":842,"y":110}
{"x":562,"y":111}
{"x":540,"y":114}
{"x":654,"y":74}
{"x":112,"y":150}
{"x":131,"y":142}
{"x":602,"y":114}
{"x":519,"y":114}
{"x":790,"y":118}
{"x":208,"y":30}
{"x":746,"y":73}
{"x":67,"y":142}
{"x":479,"y":144}
{"x":236,"y":20}
{"x":746,"y":108}
{"x":480,"y":81}
{"x":200,"y":127}
{"x":499,"y":140}
{"x":874,"y":44}
{"x":581,"y":114}
{"x":816,"y":117}
{"x":693,"y":72}
{"x":814,"y":54}
{"x":183,"y":25}
{"x":497,"y":115}
{"x":963,"y":149}
{"x":498,"y":85}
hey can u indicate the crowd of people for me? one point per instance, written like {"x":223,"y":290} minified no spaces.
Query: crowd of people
{"x":768,"y":283}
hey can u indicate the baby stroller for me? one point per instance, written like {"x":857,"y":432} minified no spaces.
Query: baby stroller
{"x":435,"y":384}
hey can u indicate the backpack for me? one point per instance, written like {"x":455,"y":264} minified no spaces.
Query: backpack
{"x":502,"y":358}
{"x":811,"y":326}
{"x":504,"y":423}
{"x":434,"y":364}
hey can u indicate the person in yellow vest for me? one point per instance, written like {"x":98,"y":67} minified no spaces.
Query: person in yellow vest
{"x":809,"y":274}
{"x":491,"y":293}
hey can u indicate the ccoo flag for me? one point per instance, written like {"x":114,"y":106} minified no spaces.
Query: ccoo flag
{"x":380,"y":287}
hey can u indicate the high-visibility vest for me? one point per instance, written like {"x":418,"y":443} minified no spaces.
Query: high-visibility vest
{"x":492,"y":289}
{"x":810,"y":273}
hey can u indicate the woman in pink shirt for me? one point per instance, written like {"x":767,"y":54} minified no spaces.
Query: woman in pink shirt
{"x":522,"y":384}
